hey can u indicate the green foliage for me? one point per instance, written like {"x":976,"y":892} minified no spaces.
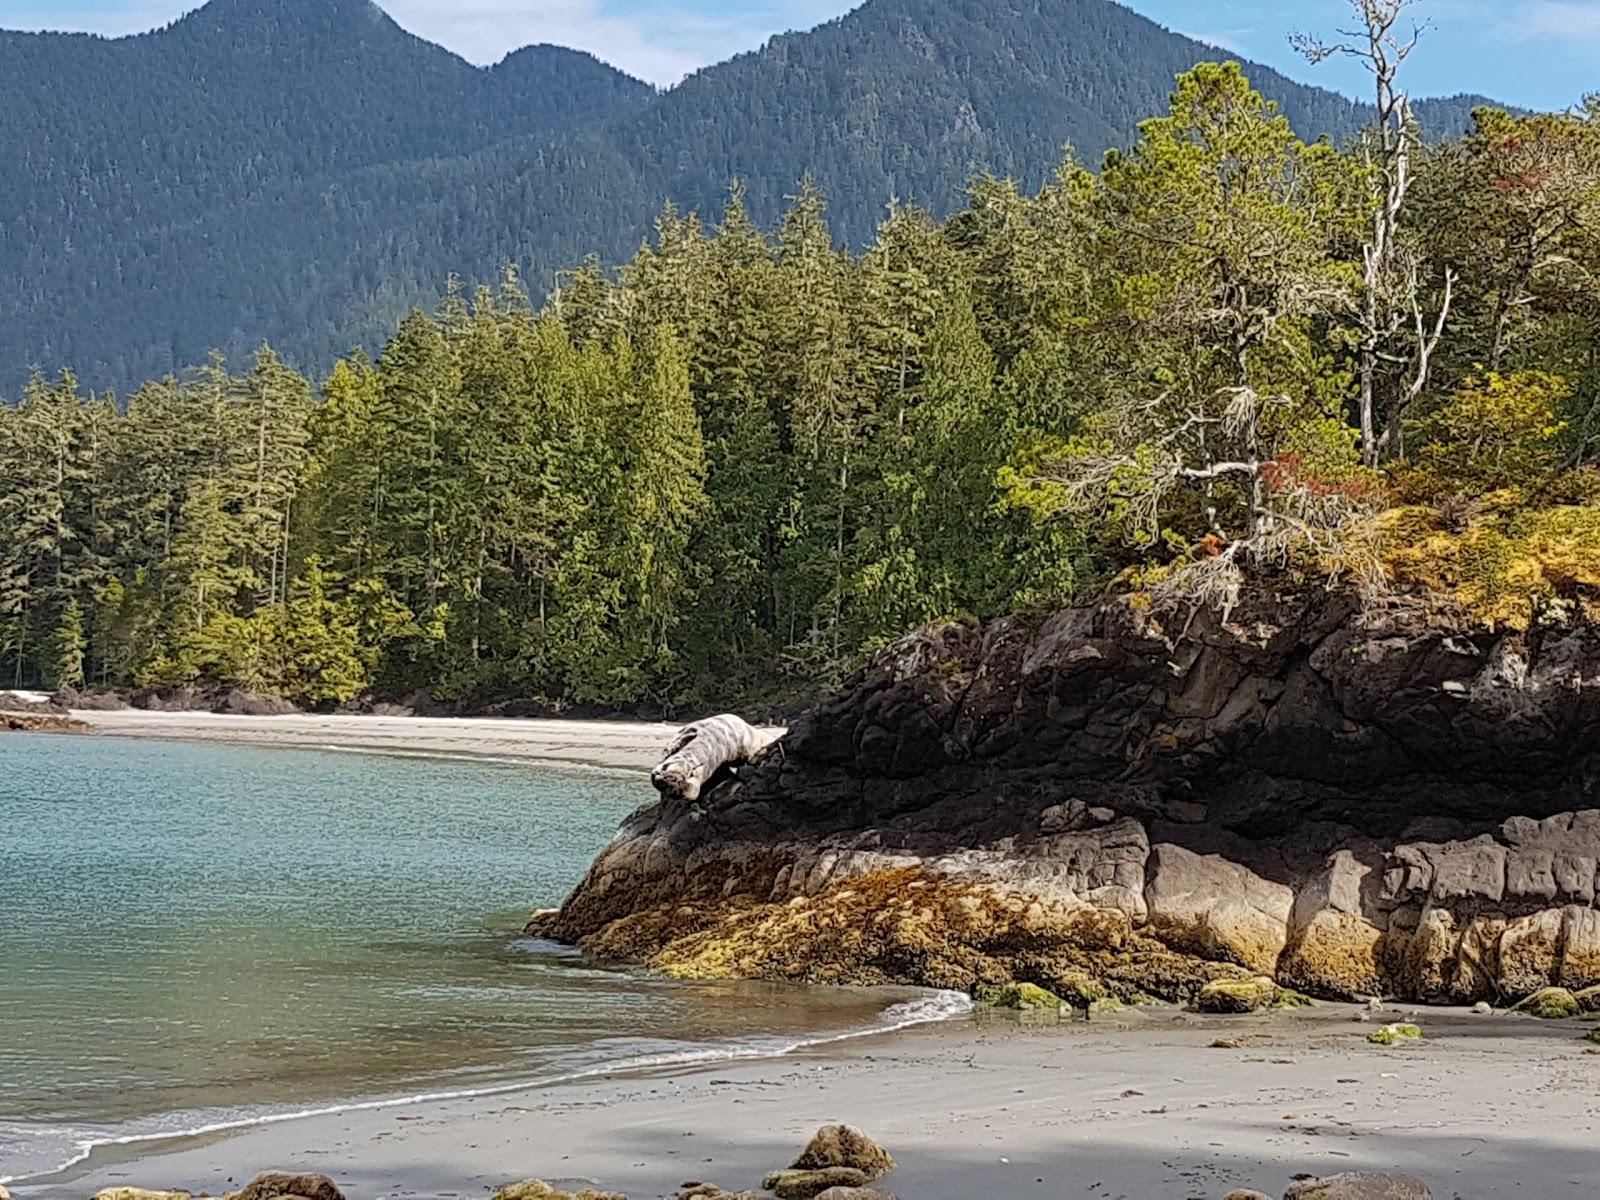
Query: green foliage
{"x":1495,"y":432}
{"x":749,"y":457}
{"x":70,"y":645}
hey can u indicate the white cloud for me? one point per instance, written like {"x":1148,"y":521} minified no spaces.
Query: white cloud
{"x":657,"y":42}
{"x":660,"y":42}
{"x":1560,"y":19}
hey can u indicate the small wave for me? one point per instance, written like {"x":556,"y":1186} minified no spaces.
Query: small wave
{"x":925,"y":1010}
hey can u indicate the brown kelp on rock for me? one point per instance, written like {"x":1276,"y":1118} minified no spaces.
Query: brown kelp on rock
{"x":1344,"y":800}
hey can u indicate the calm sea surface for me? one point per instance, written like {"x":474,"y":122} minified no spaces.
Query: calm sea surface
{"x":194,"y":935}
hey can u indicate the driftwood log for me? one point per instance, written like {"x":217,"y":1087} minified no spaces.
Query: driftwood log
{"x":702,"y":749}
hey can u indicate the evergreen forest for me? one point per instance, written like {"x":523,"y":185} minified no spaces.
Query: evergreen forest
{"x":733,"y":466}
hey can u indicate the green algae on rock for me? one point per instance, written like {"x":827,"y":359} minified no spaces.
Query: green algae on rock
{"x":1023,"y":996}
{"x":1247,"y":995}
{"x":1390,"y":1035}
{"x":1550,"y":1004}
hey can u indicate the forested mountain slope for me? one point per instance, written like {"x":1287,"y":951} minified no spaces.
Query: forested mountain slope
{"x":123,"y":152}
{"x":303,"y":171}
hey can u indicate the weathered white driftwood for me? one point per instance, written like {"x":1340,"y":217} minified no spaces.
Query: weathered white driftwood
{"x":702,"y":749}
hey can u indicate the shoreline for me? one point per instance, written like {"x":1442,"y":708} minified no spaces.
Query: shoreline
{"x":1140,"y":1106}
{"x":635,"y":746}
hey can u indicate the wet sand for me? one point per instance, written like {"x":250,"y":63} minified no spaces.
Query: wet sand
{"x":632,"y":745}
{"x":1142,"y":1108}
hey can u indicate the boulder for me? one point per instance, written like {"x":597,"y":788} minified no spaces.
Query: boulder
{"x":853,"y":1193}
{"x":1026,"y":997}
{"x":1217,"y":909}
{"x":806,"y":1184}
{"x":1360,"y":1185}
{"x":1550,"y":1004}
{"x":134,"y":1193}
{"x":538,"y":1189}
{"x":278,"y":1185}
{"x":1246,"y":995}
{"x":1246,"y":1194}
{"x":844,"y":1146}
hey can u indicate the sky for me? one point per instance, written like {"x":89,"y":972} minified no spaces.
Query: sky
{"x":1534,"y":53}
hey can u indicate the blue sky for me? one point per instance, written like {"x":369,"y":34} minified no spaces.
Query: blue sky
{"x":1538,"y":53}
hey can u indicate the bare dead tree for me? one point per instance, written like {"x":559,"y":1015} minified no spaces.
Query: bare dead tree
{"x":1392,"y":310}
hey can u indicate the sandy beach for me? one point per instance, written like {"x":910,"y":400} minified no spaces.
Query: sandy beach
{"x":630,"y":745}
{"x":1142,"y":1108}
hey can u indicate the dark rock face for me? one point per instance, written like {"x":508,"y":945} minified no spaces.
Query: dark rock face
{"x":1350,"y":801}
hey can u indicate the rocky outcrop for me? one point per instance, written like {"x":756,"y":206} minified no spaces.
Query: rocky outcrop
{"x":1348,"y":801}
{"x":22,"y":722}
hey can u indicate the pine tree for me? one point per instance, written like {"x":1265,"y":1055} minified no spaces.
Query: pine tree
{"x":70,"y":644}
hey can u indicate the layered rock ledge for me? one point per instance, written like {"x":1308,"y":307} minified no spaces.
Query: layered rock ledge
{"x":1351,"y":801}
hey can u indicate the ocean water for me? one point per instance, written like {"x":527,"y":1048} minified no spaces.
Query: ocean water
{"x":198,"y":936}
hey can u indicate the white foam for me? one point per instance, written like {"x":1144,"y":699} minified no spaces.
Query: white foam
{"x":935,"y":1007}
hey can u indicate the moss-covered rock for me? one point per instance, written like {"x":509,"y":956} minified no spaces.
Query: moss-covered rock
{"x":1550,"y":1004}
{"x":1105,"y":1006}
{"x":1592,"y":1036}
{"x":1080,"y":989}
{"x":805,"y":1185}
{"x":1588,"y":999}
{"x":1236,"y":995}
{"x":133,"y":1193}
{"x":1389,"y":1035}
{"x":1247,"y":995}
{"x":1024,"y":997}
{"x":538,"y":1189}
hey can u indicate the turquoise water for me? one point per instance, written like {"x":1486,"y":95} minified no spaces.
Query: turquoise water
{"x":196,"y":935}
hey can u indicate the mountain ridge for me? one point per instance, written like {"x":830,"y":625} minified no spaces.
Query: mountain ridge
{"x":212,"y":195}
